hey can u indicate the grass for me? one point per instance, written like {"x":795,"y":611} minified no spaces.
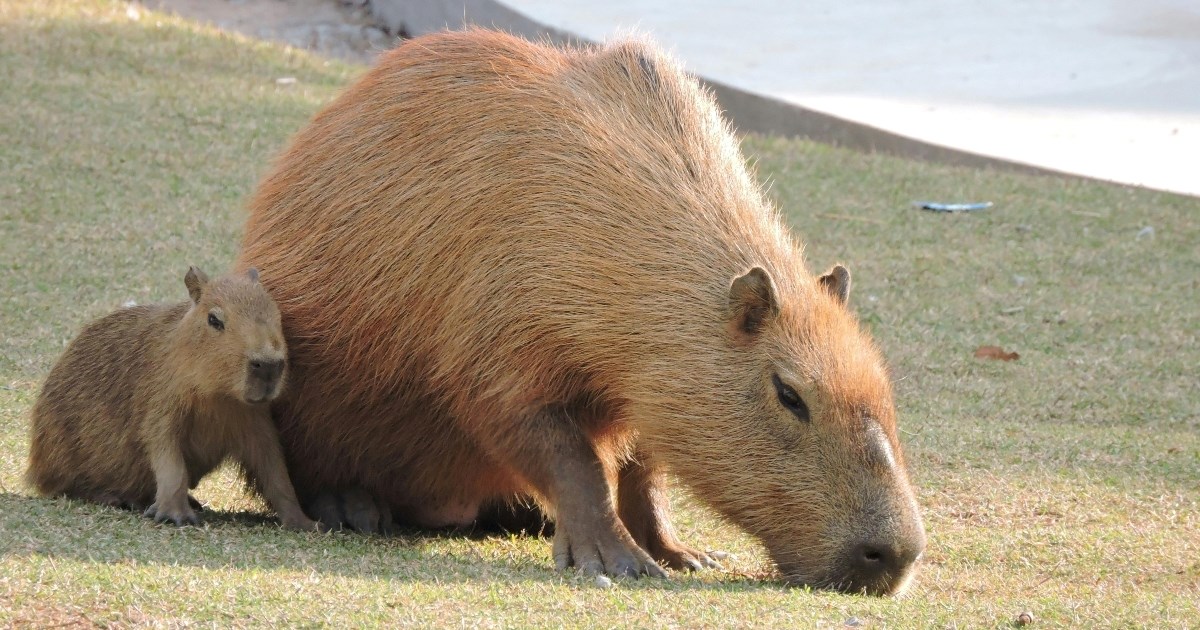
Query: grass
{"x":1064,"y":483}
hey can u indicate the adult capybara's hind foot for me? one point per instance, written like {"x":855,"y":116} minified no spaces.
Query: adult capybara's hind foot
{"x":351,"y":508}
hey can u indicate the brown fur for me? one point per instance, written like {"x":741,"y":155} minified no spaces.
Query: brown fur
{"x":148,"y":400}
{"x":510,"y":270}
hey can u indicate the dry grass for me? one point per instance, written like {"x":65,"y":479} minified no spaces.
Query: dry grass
{"x":1065,"y":483}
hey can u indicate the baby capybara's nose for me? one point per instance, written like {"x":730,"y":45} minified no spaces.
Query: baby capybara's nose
{"x":877,"y":567}
{"x":266,"y":370}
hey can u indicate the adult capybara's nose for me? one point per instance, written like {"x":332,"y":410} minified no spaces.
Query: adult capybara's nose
{"x":880,"y":567}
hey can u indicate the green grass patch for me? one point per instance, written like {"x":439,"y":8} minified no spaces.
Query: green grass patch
{"x":1065,"y":483}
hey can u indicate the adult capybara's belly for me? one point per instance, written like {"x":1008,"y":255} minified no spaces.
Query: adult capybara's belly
{"x":402,"y":447}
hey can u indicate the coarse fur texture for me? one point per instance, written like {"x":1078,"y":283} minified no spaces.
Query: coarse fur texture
{"x":509,"y":270}
{"x":148,"y":400}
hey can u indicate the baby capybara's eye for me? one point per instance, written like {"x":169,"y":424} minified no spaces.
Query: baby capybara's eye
{"x":790,"y":399}
{"x":215,"y":322}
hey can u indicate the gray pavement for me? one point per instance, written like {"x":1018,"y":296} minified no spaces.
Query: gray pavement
{"x":1108,"y":89}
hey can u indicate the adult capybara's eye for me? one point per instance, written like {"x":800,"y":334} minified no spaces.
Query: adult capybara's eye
{"x":215,"y":322}
{"x":790,"y":399}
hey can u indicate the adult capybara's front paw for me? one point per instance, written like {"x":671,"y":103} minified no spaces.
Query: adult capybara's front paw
{"x":683,"y":558}
{"x":178,"y":514}
{"x":609,"y":555}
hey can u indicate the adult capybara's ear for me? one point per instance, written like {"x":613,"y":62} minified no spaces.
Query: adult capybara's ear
{"x":752,"y":303}
{"x":837,"y":282}
{"x":195,"y":281}
{"x":252,"y":273}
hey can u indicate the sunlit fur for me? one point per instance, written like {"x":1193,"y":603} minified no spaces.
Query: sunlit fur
{"x":482,"y":226}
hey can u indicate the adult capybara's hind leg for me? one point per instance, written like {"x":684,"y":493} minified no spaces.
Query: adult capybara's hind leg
{"x":325,"y":508}
{"x":519,"y":514}
{"x":365,"y":512}
{"x":351,"y":508}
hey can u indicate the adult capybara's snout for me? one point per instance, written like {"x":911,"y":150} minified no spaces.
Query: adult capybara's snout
{"x":879,"y":555}
{"x":883,"y":557}
{"x":880,"y":566}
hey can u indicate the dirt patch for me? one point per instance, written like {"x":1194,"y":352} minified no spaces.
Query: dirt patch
{"x":336,"y":28}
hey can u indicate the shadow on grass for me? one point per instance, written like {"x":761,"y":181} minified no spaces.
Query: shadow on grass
{"x":85,"y":533}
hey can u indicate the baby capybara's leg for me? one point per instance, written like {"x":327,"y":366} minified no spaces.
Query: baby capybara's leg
{"x":171,"y":482}
{"x":262,"y":458}
{"x":645,"y":511}
{"x":555,"y":455}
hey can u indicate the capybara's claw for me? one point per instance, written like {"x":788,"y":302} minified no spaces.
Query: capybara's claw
{"x":710,"y":562}
{"x":687,"y":559}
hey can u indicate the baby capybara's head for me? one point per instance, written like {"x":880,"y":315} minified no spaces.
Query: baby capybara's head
{"x":820,"y":402}
{"x":234,"y":337}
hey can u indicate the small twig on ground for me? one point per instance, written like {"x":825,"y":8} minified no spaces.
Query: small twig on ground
{"x":848,"y":217}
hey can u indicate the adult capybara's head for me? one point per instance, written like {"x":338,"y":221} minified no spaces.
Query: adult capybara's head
{"x":818,"y":475}
{"x":819,"y":394}
{"x":233,"y":337}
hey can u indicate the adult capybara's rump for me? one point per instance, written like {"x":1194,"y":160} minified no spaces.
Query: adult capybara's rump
{"x":511,"y":270}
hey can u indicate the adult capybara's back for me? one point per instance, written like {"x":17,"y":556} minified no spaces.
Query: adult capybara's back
{"x":508,"y":270}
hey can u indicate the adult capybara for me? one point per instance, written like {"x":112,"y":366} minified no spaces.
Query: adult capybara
{"x":508,"y":270}
{"x":148,"y":400}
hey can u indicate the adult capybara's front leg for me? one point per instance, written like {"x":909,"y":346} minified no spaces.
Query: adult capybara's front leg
{"x":551,"y":451}
{"x":645,"y":510}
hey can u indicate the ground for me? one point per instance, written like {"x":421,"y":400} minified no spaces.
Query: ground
{"x":1065,"y":483}
{"x":340,"y":28}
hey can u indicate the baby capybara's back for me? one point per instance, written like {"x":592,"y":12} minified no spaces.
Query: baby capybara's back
{"x":85,"y":422}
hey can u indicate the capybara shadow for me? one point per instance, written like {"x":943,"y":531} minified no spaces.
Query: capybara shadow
{"x":509,"y":271}
{"x":148,"y":400}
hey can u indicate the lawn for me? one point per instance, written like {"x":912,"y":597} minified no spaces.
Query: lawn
{"x":1065,"y":483}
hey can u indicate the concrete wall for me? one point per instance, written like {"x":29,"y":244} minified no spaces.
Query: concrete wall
{"x":746,"y":111}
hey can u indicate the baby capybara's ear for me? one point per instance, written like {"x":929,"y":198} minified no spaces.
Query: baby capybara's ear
{"x":252,"y":273}
{"x":752,"y":303}
{"x":837,"y":282}
{"x":195,"y":281}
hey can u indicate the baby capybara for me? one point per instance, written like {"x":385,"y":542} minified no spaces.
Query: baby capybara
{"x":512,"y":271}
{"x":148,"y":400}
